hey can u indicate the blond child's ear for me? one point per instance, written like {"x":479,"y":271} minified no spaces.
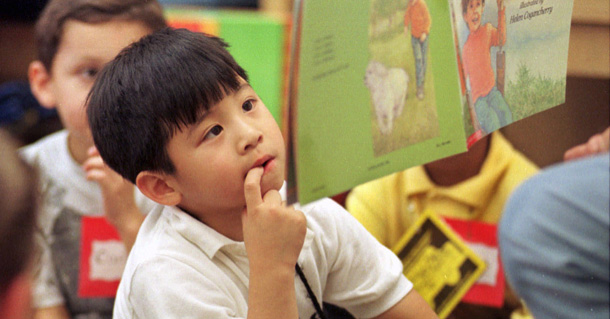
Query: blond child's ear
{"x":157,"y":186}
{"x":40,"y":84}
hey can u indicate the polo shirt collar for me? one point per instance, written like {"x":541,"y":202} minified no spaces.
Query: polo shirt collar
{"x":476,"y":191}
{"x":208,"y":239}
{"x":199,"y":234}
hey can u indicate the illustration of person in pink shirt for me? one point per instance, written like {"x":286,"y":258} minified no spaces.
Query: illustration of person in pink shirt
{"x":418,"y":16}
{"x":491,"y":109}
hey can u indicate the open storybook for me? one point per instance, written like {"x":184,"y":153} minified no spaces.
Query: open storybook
{"x":378,"y":86}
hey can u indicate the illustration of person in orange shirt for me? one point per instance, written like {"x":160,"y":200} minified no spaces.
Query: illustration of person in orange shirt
{"x":491,"y":109}
{"x":418,"y":16}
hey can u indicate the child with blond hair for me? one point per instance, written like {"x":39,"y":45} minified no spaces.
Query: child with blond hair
{"x":81,"y":195}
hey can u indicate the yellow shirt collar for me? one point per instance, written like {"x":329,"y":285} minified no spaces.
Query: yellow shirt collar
{"x":476,"y":191}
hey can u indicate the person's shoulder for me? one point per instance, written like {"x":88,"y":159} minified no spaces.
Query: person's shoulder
{"x":385,"y":182}
{"x":165,"y":249}
{"x":46,"y":148}
{"x":168,"y":232}
{"x":562,"y":186}
{"x":423,"y":5}
{"x":153,"y":231}
{"x":321,"y":208}
{"x":501,"y":145}
{"x":153,"y":242}
{"x":50,"y":155}
{"x":381,"y":188}
{"x":325,"y":215}
{"x":488,"y":28}
{"x":571,"y":173}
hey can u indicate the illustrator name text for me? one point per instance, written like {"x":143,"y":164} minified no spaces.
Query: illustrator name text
{"x":530,"y":13}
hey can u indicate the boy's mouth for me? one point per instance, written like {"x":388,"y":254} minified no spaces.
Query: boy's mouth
{"x":265,"y":162}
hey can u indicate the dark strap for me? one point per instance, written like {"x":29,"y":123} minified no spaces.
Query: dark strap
{"x":312,"y":296}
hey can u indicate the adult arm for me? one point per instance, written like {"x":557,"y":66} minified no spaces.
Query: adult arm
{"x":412,"y":306}
{"x":552,"y":236}
{"x":55,"y":312}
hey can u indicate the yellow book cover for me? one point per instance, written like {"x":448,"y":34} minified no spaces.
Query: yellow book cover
{"x":440,"y":265}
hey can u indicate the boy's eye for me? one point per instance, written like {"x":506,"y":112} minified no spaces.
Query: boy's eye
{"x":90,"y":73}
{"x":213,"y":132}
{"x":247,"y":106}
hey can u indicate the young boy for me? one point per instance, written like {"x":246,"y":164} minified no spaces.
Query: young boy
{"x":469,"y":188}
{"x":418,"y":16}
{"x":18,"y":204}
{"x":489,"y":104}
{"x":81,"y":195}
{"x":174,"y":114}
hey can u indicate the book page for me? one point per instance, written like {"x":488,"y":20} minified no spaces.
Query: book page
{"x":374,"y":95}
{"x":514,"y":59}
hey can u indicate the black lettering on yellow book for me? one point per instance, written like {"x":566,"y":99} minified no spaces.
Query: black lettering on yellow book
{"x":440,"y":265}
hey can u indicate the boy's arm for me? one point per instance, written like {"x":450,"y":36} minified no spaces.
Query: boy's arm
{"x":501,"y":23}
{"x":407,"y":18}
{"x":412,"y":306}
{"x":427,"y":22}
{"x":273,"y":235}
{"x":56,"y":312}
{"x":118,"y":195}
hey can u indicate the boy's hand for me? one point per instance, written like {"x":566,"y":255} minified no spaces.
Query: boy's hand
{"x":118,"y":197}
{"x":273,"y":233}
{"x":423,"y":37}
{"x":118,"y":193}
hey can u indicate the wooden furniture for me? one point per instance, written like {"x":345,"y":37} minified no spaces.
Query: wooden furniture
{"x":589,"y":54}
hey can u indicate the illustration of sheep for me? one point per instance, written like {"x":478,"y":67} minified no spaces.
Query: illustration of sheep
{"x":388,"y":87}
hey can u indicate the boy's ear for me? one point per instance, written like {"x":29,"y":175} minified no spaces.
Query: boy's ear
{"x":156,"y":186}
{"x":40,"y":84}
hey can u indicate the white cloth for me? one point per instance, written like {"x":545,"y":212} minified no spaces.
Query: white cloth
{"x":67,"y":196}
{"x":181,"y":268}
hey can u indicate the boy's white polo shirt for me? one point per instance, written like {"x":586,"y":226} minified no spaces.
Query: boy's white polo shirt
{"x":181,"y":268}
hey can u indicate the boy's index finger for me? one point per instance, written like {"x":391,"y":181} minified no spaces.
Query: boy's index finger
{"x":252,"y":187}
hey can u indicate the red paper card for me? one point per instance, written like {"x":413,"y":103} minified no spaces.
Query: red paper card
{"x":482,"y":238}
{"x":102,"y":259}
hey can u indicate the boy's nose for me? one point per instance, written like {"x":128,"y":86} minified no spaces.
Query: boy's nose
{"x":250,"y":138}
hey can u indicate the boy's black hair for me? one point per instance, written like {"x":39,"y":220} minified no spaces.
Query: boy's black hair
{"x":153,"y":88}
{"x":465,"y":5}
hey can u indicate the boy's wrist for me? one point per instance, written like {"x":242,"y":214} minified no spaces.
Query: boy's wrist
{"x":279,"y":270}
{"x":272,"y":293}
